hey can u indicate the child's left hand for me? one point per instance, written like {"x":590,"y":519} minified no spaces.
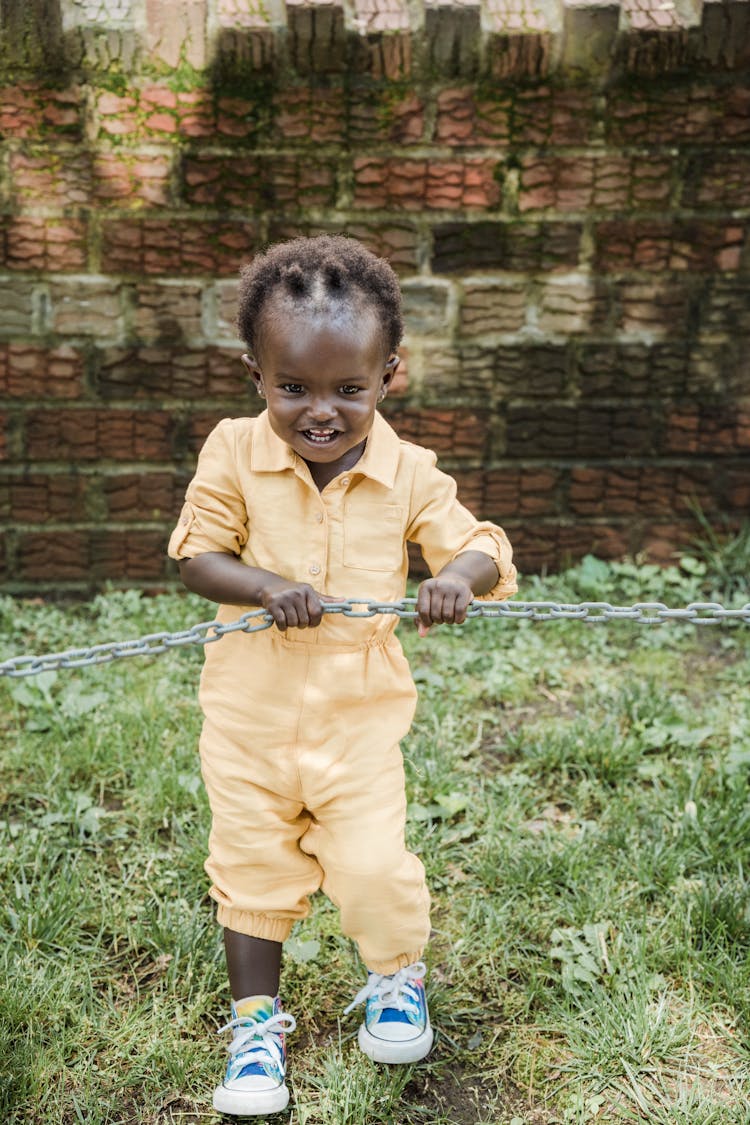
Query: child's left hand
{"x":443,"y":599}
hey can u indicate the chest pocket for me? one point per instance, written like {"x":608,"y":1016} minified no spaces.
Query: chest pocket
{"x":374,"y":540}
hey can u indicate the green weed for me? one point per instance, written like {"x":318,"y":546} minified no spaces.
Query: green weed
{"x":577,"y":793}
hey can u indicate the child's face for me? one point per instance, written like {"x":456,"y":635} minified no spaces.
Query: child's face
{"x":322,"y":378}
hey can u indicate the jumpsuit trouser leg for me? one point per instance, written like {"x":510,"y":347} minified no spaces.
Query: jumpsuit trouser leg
{"x":312,"y":795}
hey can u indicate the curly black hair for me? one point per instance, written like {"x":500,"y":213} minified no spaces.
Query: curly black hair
{"x":338,"y":267}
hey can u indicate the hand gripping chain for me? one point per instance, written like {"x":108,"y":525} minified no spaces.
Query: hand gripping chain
{"x":643,"y":613}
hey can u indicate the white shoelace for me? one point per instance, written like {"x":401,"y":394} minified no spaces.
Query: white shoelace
{"x":259,"y":1037}
{"x":396,"y":991}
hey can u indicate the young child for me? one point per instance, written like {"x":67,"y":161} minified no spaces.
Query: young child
{"x":313,"y":501}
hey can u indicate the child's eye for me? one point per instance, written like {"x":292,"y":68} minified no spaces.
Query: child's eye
{"x":292,"y":388}
{"x":348,"y":389}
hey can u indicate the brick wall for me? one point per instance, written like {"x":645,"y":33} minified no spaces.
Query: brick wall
{"x":562,"y":186}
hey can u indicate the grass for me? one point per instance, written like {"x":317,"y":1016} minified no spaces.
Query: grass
{"x":578,"y":793}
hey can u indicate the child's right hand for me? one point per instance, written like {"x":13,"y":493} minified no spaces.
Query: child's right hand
{"x":294,"y":605}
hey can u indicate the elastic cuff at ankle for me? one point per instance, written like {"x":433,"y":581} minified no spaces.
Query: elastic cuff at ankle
{"x":254,"y":925}
{"x":387,"y":968}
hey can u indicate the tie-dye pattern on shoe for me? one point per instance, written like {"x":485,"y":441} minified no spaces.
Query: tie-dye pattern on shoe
{"x":254,"y":1081}
{"x":249,"y":1055}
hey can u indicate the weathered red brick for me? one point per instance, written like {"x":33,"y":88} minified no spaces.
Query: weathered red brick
{"x":546,"y":246}
{"x":90,"y":307}
{"x":133,"y":557}
{"x":53,"y":245}
{"x":184,"y":373}
{"x":518,"y":41}
{"x":539,"y":544}
{"x":309,"y":115}
{"x":585,"y":430}
{"x":16,"y":305}
{"x":554,"y":115}
{"x":707,"y":429}
{"x":718,"y":179}
{"x":512,"y":492}
{"x":605,"y":183}
{"x":669,"y":245}
{"x":489,"y":305}
{"x":38,"y":497}
{"x":29,"y":110}
{"x":662,"y":307}
{"x":641,"y":370}
{"x":167,"y":311}
{"x":386,"y":117}
{"x":641,"y":490}
{"x":61,"y":555}
{"x":34,"y":372}
{"x":239,"y":119}
{"x":259,"y":181}
{"x":464,"y":118}
{"x":98,"y":434}
{"x":116,"y":115}
{"x":53,"y":176}
{"x":416,"y":184}
{"x":131,"y":497}
{"x":665,"y":114}
{"x":132,"y":178}
{"x":92,"y":555}
{"x":381,"y":52}
{"x":225,"y":294}
{"x":487,"y":373}
{"x":457,"y":433}
{"x":725,"y":307}
{"x":736,"y":493}
{"x":574,"y":305}
{"x":425,"y":305}
{"x":165,"y":113}
{"x":164,"y":247}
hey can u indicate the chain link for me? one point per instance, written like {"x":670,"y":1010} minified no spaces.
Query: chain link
{"x":207,"y":632}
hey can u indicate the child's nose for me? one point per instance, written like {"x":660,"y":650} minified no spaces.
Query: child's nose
{"x":322,"y":410}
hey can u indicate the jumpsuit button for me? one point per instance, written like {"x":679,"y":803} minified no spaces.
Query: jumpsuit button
{"x":344,"y":481}
{"x":319,"y":517}
{"x":314,"y":569}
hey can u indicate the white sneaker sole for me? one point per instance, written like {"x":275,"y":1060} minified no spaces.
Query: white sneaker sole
{"x":250,"y":1103}
{"x":395,"y":1051}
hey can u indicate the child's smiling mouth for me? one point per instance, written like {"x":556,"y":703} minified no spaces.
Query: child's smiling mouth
{"x":322,"y":436}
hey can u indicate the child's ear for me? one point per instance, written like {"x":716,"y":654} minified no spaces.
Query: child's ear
{"x":390,"y":370}
{"x":251,"y":366}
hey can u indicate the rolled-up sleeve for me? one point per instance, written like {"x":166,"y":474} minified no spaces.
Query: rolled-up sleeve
{"x":444,"y":529}
{"x":214,"y":516}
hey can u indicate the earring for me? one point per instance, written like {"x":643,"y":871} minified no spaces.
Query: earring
{"x":381,"y":396}
{"x":260,"y":392}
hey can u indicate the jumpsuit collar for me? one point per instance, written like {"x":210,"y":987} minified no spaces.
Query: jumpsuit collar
{"x":379,"y":461}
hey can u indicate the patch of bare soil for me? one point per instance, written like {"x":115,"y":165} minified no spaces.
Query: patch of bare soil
{"x":466,"y":1099}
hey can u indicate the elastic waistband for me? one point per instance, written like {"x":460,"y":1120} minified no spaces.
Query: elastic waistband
{"x":323,"y":646}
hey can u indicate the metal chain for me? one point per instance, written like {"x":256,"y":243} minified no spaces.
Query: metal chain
{"x":205,"y":633}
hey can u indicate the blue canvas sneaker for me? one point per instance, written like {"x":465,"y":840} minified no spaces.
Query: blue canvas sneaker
{"x":396,"y":1027}
{"x":254,"y":1081}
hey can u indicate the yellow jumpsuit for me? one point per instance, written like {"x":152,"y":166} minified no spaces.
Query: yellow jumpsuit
{"x":300,"y":744}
